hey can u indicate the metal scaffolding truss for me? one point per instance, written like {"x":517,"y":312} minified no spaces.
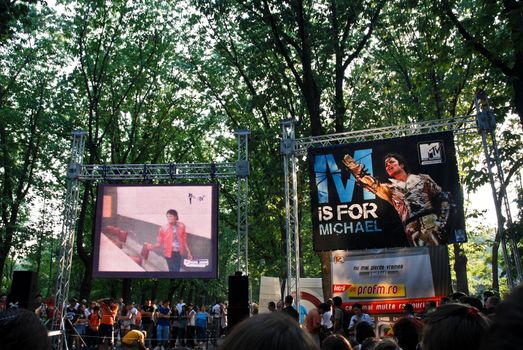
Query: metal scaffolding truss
{"x":291,"y":208}
{"x":65,"y":259}
{"x":77,"y":171}
{"x":157,"y":171}
{"x":459,"y":124}
{"x":291,"y":148}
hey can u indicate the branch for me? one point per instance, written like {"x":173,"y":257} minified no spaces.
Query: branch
{"x":497,"y":62}
{"x":515,"y":167}
{"x":280,"y":46}
{"x":367,"y":36}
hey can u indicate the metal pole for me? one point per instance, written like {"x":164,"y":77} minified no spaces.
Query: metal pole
{"x":287,"y":149}
{"x":483,"y":126}
{"x":68,"y":227}
{"x":242,"y":174}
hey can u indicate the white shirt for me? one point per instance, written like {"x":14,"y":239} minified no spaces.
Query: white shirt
{"x":364,"y":317}
{"x":216,"y":311}
{"x":192,"y":318}
{"x":326,"y":319}
{"x":179,"y":307}
{"x":132,"y":315}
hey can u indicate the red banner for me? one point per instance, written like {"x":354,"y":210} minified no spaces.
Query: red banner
{"x":393,"y":306}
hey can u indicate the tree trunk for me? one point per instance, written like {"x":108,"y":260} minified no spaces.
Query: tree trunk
{"x":518,"y":94}
{"x":87,"y":259}
{"x":495,"y":259}
{"x":154,"y":290}
{"x":112,"y":292}
{"x":460,"y":268}
{"x":326,"y":282}
{"x":87,"y":280}
{"x":127,"y":290}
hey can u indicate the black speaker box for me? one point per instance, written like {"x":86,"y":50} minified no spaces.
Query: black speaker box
{"x":238,"y":291}
{"x":24,"y":289}
{"x":235,"y":315}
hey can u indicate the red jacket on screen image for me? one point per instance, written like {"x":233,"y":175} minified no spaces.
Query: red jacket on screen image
{"x":165,"y":238}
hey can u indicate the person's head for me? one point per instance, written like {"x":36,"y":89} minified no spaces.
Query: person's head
{"x":487,"y":294}
{"x":336,"y":342}
{"x":96,"y":308}
{"x":407,"y":331}
{"x":323,"y":308}
{"x":190,"y":307}
{"x":337,"y":301}
{"x":454,"y":327}
{"x":505,"y":330}
{"x":370,"y":343}
{"x":492,"y":302}
{"x":148,"y":302}
{"x":472,"y":301}
{"x":363,"y":331}
{"x":456,"y":296}
{"x":356,"y":308}
{"x":386,"y":344}
{"x":275,"y":331}
{"x":22,"y":329}
{"x":395,"y":164}
{"x":166,"y":303}
{"x":430,"y":306}
{"x":271,"y":306}
{"x":202,"y":309}
{"x":279,"y":305}
{"x":255,"y":309}
{"x":408,"y":309}
{"x":288,"y":300}
{"x":38,"y":298}
{"x":172,"y":216}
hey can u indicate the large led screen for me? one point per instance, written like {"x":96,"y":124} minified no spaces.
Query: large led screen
{"x":396,"y":192}
{"x":156,"y":231}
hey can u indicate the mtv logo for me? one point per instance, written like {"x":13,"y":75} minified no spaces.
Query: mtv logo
{"x":431,"y":152}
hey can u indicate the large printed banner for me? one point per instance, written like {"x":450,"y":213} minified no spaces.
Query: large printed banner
{"x":383,"y":281}
{"x":388,"y":193}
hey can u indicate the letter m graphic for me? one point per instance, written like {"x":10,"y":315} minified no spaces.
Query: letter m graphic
{"x":324,"y":164}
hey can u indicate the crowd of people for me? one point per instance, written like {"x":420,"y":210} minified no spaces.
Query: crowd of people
{"x":459,"y":322}
{"x":106,"y":323}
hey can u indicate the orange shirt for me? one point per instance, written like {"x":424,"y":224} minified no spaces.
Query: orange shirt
{"x":108,"y":315}
{"x":313,"y":321}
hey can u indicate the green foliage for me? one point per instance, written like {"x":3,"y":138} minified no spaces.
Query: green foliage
{"x":168,"y":82}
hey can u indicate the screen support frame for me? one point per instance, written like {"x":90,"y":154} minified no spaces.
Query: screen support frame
{"x":291,"y":148}
{"x":78,"y":172}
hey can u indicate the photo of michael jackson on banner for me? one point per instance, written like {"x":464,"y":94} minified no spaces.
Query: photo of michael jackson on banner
{"x":396,"y":192}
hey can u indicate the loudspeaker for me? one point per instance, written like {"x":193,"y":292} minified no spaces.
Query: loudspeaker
{"x":24,"y":289}
{"x":235,"y":315}
{"x":238,"y":291}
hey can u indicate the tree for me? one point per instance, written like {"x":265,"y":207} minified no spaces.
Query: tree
{"x":129,"y":85}
{"x":29,"y":132}
{"x":482,"y":26}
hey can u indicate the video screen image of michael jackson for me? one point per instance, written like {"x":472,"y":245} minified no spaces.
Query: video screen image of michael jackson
{"x":164,"y":231}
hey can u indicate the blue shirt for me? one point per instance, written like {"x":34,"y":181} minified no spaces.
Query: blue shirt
{"x":164,"y":311}
{"x":201,"y":319}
